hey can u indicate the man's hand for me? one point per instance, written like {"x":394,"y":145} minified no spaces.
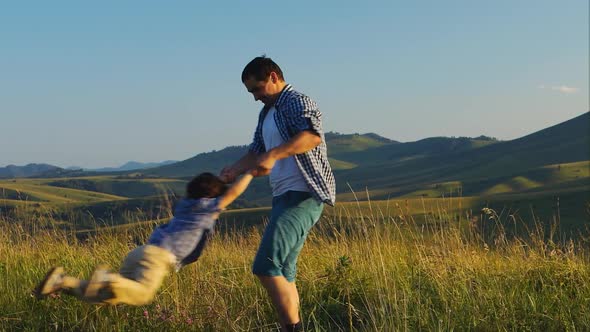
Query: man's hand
{"x":228,"y":174}
{"x":256,"y":172}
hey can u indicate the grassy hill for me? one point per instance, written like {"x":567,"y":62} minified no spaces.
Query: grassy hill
{"x":405,"y":170}
{"x":341,"y":143}
{"x":214,"y":161}
{"x":128,"y":187}
{"x":39,"y":191}
{"x":553,"y":161}
{"x":89,"y":210}
{"x":400,"y":152}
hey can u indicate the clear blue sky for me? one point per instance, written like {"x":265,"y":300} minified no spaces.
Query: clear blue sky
{"x":97,"y":84}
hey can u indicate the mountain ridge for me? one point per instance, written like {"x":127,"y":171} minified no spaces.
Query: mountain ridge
{"x":373,"y":160}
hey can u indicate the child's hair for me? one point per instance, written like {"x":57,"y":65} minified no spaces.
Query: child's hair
{"x":205,"y":185}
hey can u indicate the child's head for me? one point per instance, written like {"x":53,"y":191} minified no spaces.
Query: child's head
{"x":205,"y":185}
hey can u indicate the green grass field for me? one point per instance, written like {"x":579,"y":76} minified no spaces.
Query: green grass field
{"x":504,"y":253}
{"x":433,"y":259}
{"x":367,"y":266}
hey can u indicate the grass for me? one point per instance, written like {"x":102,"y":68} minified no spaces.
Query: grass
{"x":90,"y":189}
{"x":56,"y":194}
{"x":384,"y":184}
{"x":339,"y":164}
{"x":366,"y":268}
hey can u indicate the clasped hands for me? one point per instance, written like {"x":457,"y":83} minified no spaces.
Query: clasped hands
{"x":263,"y":165}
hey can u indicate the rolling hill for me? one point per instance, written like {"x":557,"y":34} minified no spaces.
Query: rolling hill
{"x":406,"y":167}
{"x":552,"y":161}
{"x":214,"y":161}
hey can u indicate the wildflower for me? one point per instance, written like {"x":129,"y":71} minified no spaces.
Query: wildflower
{"x":146,"y":314}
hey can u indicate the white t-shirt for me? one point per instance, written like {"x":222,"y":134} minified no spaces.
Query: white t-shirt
{"x":285,"y":174}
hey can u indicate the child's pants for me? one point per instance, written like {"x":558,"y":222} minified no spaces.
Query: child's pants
{"x":140,"y":276}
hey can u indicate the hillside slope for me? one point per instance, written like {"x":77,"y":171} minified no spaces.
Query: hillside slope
{"x":563,"y":143}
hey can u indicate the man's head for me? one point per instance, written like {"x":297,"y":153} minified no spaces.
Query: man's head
{"x":205,"y":185}
{"x":264,"y":79}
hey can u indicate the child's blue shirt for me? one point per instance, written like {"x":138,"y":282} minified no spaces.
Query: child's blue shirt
{"x":193,"y":219}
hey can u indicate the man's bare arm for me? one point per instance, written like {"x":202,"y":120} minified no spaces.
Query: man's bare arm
{"x":300,"y":143}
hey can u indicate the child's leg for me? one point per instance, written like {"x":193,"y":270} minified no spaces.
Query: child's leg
{"x":56,"y":280}
{"x":141,"y":275}
{"x":74,"y":286}
{"x":109,"y":288}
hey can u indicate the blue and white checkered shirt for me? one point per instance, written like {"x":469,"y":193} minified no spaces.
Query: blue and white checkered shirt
{"x":295,"y":113}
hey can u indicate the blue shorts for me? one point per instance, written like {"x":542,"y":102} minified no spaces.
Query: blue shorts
{"x":293,"y":215}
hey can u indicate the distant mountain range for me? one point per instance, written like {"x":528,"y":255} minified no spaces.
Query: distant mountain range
{"x":131,"y":166}
{"x":12,"y":171}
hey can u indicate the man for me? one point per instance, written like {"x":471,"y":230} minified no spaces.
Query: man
{"x":289,"y":145}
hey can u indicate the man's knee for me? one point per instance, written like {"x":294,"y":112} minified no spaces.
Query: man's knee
{"x":265,"y":278}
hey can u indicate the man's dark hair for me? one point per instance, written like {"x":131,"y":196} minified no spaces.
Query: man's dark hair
{"x":260,"y":68}
{"x":205,"y":185}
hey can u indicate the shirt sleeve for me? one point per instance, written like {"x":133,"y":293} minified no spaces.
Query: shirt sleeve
{"x":213,"y":205}
{"x":303,"y":114}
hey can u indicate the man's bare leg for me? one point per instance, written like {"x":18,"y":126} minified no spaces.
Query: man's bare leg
{"x":285,"y":298}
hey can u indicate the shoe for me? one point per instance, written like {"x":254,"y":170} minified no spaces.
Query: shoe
{"x":51,"y":283}
{"x":297,"y":327}
{"x":97,"y":281}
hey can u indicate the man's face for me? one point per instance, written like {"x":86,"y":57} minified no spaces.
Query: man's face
{"x":267,"y":91}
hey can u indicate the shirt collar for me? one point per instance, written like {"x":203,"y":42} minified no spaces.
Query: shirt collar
{"x":282,"y":97}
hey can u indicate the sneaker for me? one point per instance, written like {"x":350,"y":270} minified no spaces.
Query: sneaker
{"x":297,"y":327}
{"x":51,"y":283}
{"x":97,"y":281}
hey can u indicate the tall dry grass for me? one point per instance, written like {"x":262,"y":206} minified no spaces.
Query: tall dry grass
{"x":359,"y":271}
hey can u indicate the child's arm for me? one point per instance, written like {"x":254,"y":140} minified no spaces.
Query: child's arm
{"x":236,"y":189}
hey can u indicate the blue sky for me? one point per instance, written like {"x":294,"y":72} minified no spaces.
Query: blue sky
{"x":98,"y":84}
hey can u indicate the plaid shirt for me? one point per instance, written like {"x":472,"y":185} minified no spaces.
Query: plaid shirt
{"x":295,"y":113}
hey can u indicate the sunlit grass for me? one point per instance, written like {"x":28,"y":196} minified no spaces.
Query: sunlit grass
{"x":369,"y":268}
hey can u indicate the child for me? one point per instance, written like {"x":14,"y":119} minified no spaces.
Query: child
{"x":178,"y":243}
